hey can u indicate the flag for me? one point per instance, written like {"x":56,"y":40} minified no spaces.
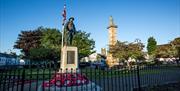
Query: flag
{"x":64,"y":15}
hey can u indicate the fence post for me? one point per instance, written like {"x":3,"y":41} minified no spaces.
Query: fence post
{"x":23,"y":77}
{"x":5,"y":78}
{"x":139,"y":85}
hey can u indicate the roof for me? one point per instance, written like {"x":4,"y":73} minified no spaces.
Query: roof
{"x":7,"y":55}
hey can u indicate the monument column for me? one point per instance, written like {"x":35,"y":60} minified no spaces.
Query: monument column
{"x":112,"y":40}
{"x":112,"y":32}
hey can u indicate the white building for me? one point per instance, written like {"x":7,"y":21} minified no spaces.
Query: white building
{"x":93,"y":58}
{"x":7,"y":59}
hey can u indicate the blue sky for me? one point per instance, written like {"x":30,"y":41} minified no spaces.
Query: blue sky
{"x":135,"y":19}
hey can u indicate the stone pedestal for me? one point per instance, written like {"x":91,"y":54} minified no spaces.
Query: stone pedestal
{"x":69,"y":59}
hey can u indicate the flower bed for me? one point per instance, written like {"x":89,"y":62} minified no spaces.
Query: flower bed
{"x":66,"y":79}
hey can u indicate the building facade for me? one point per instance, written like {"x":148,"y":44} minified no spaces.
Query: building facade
{"x":7,"y":59}
{"x":103,"y":51}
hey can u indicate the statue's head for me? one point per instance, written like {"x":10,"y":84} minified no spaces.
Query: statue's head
{"x":71,"y":19}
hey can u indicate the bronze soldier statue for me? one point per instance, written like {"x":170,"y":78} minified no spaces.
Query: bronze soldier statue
{"x":69,"y":32}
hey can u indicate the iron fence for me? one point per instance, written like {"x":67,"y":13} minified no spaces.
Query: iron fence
{"x":40,"y":78}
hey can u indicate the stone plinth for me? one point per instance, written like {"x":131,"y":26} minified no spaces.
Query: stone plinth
{"x":69,"y":59}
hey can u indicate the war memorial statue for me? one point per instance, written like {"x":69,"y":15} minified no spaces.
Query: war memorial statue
{"x":69,"y":77}
{"x":69,"y":32}
{"x":69,"y":53}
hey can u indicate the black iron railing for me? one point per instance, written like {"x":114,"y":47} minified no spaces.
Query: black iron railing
{"x":134,"y":78}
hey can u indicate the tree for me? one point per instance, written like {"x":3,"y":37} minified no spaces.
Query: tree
{"x":44,"y":54}
{"x":51,"y":41}
{"x":151,"y":46}
{"x":42,"y":43}
{"x":171,"y":49}
{"x":84,"y":44}
{"x":135,"y":50}
{"x":119,"y":50}
{"x":124,"y":50}
{"x":176,"y":46}
{"x":176,"y":41}
{"x":27,"y":40}
{"x":163,"y":50}
{"x":51,"y":38}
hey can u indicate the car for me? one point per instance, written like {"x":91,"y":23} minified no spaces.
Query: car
{"x":84,"y":64}
{"x":99,"y":65}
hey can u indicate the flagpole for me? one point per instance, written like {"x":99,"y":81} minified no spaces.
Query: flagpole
{"x":62,"y":36}
{"x":62,"y":31}
{"x":64,"y":21}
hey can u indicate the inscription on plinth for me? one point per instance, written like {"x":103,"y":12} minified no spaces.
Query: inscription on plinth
{"x":70,"y":57}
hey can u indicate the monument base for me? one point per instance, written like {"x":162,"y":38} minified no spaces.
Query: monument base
{"x":69,"y":59}
{"x":68,"y":78}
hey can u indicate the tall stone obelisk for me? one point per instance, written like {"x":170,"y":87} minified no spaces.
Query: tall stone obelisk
{"x":112,"y":40}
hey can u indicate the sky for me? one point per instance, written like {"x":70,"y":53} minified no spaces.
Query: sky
{"x":134,"y":18}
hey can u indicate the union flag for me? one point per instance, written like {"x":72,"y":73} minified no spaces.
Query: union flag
{"x":64,"y":15}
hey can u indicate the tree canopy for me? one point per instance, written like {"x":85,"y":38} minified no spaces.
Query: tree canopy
{"x":43,"y":54}
{"x":45,"y":43}
{"x":176,"y":44}
{"x":124,"y":50}
{"x":151,"y":46}
{"x":51,"y":38}
{"x":50,"y":44}
{"x":171,"y":49}
{"x":84,"y":43}
{"x":28,"y":40}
